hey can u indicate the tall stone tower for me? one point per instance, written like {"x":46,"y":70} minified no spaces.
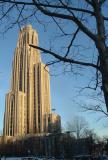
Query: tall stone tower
{"x":28,"y":106}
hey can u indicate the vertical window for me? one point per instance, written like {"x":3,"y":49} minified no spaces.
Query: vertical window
{"x":28,"y":102}
{"x":34,"y":102}
{"x":32,"y":38}
{"x":21,"y":67}
{"x":12,"y":117}
{"x":38,"y":87}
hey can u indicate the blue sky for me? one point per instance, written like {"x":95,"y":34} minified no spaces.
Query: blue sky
{"x":63,"y":87}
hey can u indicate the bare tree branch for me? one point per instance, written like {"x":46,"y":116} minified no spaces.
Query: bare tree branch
{"x":73,"y":38}
{"x":64,"y":59}
{"x":52,"y":62}
{"x":96,"y":108}
{"x":9,"y":9}
{"x":50,"y":6}
{"x":68,"y":17}
{"x":54,"y":6}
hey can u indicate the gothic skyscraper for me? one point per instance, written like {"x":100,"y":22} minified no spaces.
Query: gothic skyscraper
{"x":28,"y":106}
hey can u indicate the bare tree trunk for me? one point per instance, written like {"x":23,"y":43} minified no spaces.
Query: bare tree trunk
{"x":105,"y":85}
{"x":104,"y":72}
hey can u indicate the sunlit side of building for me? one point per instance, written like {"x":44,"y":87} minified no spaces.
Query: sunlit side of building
{"x":28,"y":105}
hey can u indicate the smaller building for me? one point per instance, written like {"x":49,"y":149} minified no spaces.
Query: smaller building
{"x":54,"y":123}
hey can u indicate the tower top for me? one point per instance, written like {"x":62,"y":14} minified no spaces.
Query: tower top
{"x":27,"y":27}
{"x":27,"y":35}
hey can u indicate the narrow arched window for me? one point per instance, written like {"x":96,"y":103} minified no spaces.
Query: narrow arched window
{"x":21,"y":67}
{"x":12,"y":116}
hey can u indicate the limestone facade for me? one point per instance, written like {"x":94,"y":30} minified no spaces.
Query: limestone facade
{"x":27,"y":104}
